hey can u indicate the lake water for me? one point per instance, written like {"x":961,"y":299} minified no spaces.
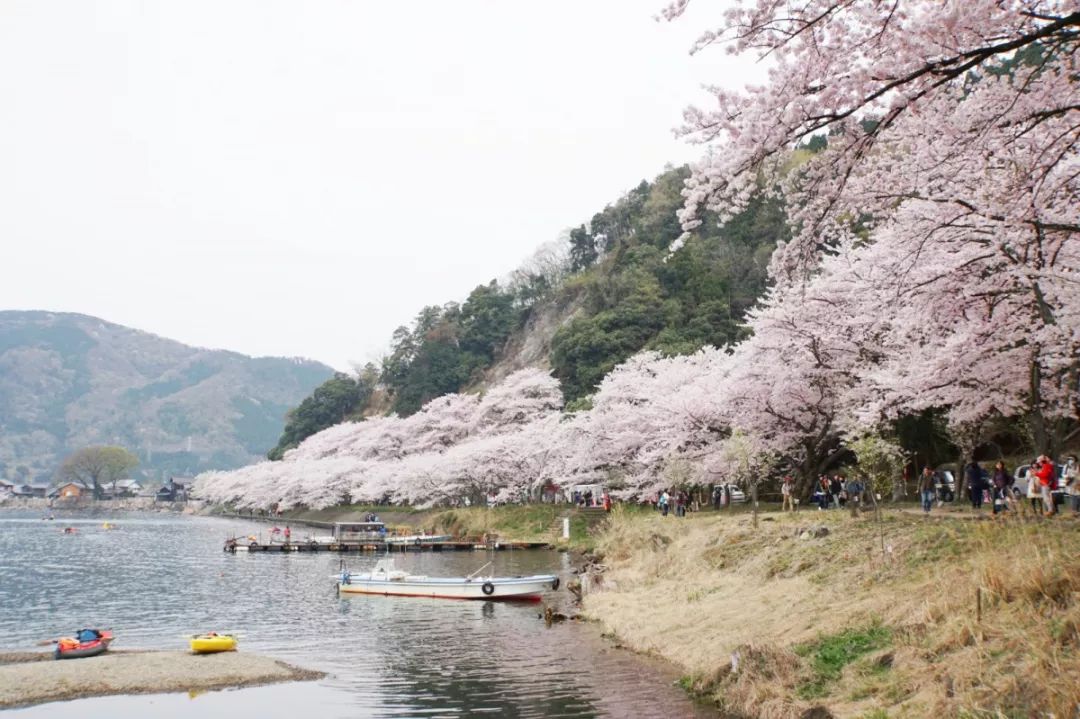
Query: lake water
{"x":160,"y":577}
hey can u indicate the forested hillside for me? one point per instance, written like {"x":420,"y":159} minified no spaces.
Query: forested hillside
{"x":581,"y":306}
{"x":69,"y":380}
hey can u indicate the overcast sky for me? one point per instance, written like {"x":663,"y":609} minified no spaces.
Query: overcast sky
{"x":299,"y":177}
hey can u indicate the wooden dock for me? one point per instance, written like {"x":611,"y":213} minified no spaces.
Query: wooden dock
{"x":462,"y":545}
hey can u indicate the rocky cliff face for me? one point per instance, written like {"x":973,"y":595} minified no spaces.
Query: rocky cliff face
{"x":530,"y":346}
{"x":68,"y":380}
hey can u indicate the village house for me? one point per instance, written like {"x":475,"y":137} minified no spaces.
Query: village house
{"x":174,"y":490}
{"x":124,"y":488}
{"x":71,"y":491}
{"x":31,"y":490}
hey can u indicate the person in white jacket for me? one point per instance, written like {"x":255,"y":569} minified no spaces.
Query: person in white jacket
{"x":1071,"y":480}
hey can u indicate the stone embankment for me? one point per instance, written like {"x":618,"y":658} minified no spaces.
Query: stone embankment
{"x":35,"y":678}
{"x":110,"y":506}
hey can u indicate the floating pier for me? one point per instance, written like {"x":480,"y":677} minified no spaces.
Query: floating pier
{"x":453,"y":545}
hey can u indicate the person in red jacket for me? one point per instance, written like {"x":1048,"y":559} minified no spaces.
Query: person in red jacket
{"x":1044,"y":472}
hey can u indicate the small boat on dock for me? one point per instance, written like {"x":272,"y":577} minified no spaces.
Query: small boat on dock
{"x":86,"y":643}
{"x":387,"y":580}
{"x":212,"y":642}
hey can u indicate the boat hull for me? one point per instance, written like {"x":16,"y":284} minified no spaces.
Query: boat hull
{"x":419,"y":539}
{"x":83,"y":649}
{"x":513,"y":588}
{"x":205,"y":644}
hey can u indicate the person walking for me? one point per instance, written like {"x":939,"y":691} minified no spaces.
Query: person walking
{"x":1071,"y":479}
{"x":787,"y":489}
{"x":663,"y":503}
{"x":1033,"y":495}
{"x":854,"y":489}
{"x":825,"y":485}
{"x":1001,"y":478}
{"x":836,"y":487}
{"x":1000,"y":475}
{"x":976,"y":486}
{"x":1045,"y":472}
{"x":926,"y":489}
{"x":999,"y":489}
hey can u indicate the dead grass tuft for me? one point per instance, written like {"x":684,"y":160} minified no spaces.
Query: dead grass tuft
{"x":758,"y":686}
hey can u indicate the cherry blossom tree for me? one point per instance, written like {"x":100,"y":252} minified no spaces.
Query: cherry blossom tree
{"x":949,"y":186}
{"x":746,"y":459}
{"x":458,"y":445}
{"x":873,"y":75}
{"x":650,"y":412}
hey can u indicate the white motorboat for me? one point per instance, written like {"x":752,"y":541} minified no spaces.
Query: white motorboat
{"x":386,"y":579}
{"x":418,"y":538}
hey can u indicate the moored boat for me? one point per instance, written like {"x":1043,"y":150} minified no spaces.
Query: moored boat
{"x":418,"y":538}
{"x":212,"y":643}
{"x":387,"y":580}
{"x":86,"y":643}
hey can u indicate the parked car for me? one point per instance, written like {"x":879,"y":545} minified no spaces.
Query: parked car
{"x":735,"y":495}
{"x":1020,"y":484}
{"x":944,"y":485}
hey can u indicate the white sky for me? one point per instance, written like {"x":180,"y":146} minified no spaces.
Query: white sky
{"x":299,"y":177}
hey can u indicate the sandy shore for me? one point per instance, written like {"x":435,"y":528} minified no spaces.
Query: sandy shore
{"x":26,"y":679}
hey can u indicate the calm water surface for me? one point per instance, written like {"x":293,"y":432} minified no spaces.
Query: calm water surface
{"x":159,"y":577}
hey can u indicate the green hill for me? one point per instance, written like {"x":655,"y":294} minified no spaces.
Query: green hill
{"x":68,"y":380}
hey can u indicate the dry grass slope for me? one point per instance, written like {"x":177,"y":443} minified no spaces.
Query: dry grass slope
{"x":910,"y":617}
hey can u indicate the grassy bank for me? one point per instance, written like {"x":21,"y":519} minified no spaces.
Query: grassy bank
{"x":910,"y":618}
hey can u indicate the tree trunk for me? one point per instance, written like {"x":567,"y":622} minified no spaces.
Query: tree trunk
{"x":753,"y":499}
{"x":1040,"y":435}
{"x":961,"y":476}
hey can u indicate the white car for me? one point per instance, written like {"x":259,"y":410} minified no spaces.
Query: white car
{"x":945,"y":485}
{"x":736,"y":495}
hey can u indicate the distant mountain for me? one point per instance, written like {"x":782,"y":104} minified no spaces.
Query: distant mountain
{"x":68,"y":380}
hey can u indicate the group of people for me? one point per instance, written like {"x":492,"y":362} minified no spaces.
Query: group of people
{"x":1042,"y":479}
{"x":589,"y":499}
{"x":835,"y":491}
{"x":680,"y":500}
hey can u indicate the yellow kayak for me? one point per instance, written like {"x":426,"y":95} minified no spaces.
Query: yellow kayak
{"x":213,"y":642}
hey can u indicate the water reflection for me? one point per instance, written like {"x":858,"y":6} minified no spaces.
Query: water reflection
{"x":158,"y":578}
